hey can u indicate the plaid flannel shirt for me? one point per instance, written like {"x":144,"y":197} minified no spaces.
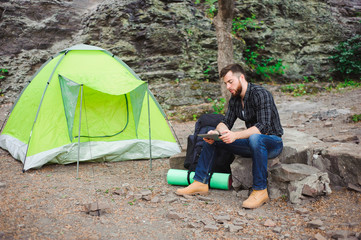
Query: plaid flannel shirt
{"x":259,"y":110}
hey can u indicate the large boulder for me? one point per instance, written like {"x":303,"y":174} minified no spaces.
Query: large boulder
{"x":298,"y":147}
{"x":298,"y":181}
{"x":342,"y":161}
{"x":290,"y":174}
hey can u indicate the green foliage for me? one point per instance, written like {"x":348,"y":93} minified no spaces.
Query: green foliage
{"x":308,"y":88}
{"x":295,"y":90}
{"x":189,"y":32}
{"x":310,"y":79}
{"x":209,"y":73}
{"x":3,"y":73}
{"x":218,"y":105}
{"x":254,"y":56}
{"x":347,"y":57}
{"x":206,"y":72}
{"x":239,"y":24}
{"x":131,"y":203}
{"x":251,"y":57}
{"x":348,"y":83}
{"x":211,"y":7}
{"x":356,"y":118}
{"x":261,"y":65}
{"x":266,"y":68}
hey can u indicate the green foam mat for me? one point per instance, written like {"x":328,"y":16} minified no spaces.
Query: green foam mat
{"x":180,"y":177}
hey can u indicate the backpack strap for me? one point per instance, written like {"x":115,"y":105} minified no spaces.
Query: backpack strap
{"x":209,"y":181}
{"x":188,"y":177}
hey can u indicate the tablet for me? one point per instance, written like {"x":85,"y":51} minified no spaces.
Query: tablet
{"x":210,"y":136}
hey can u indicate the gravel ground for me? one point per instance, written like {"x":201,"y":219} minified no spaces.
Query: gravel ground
{"x":132,"y":200}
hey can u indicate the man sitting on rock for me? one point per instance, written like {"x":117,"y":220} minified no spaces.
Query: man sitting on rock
{"x":261,"y":140}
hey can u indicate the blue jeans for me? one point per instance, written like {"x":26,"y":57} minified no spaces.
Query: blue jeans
{"x":258,"y":146}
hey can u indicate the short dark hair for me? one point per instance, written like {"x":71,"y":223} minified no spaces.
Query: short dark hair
{"x":234,"y":68}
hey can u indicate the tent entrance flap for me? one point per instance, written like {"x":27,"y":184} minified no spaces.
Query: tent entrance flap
{"x":70,"y":94}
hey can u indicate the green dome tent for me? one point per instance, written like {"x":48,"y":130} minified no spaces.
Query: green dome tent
{"x":86,"y":104}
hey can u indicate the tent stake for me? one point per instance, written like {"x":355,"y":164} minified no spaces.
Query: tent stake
{"x":81,"y":104}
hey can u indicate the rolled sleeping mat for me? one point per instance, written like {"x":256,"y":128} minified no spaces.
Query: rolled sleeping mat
{"x":184,"y":178}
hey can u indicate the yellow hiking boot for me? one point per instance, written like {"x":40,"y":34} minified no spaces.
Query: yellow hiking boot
{"x":256,"y":199}
{"x":194,"y":189}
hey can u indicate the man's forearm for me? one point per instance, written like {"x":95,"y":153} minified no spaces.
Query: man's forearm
{"x":247,"y":133}
{"x":221,"y":127}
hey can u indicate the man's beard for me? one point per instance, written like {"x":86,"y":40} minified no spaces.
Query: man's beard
{"x":238,"y":91}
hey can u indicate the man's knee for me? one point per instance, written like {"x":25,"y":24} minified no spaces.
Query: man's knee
{"x":255,"y":140}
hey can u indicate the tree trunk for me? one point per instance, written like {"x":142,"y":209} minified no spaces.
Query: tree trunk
{"x":223,"y":24}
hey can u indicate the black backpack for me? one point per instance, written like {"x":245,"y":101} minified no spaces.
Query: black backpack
{"x":223,"y":158}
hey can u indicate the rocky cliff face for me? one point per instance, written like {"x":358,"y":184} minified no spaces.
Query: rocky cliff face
{"x":302,"y":33}
{"x":171,"y":43}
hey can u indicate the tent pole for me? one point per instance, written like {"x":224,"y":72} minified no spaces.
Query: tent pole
{"x":150,"y":131}
{"x":81,"y":104}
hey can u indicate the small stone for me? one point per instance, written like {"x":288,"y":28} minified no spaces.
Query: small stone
{"x":301,"y":210}
{"x":174,"y":215}
{"x":185,"y":200}
{"x":233,"y":229}
{"x":328,"y":124}
{"x":353,"y":224}
{"x":222,"y":218}
{"x":147,"y":197}
{"x":318,"y":236}
{"x":338,"y":234}
{"x":277,"y":230}
{"x":119,"y":192}
{"x":243,"y":194}
{"x":239,"y":222}
{"x":96,"y":206}
{"x":146,"y":192}
{"x":192,"y":225}
{"x":207,"y":222}
{"x":155,"y":200}
{"x":309,"y":191}
{"x":130,"y":194}
{"x":315,"y":224}
{"x":210,"y":228}
{"x":349,"y":186}
{"x":188,"y":196}
{"x":2,"y":185}
{"x":241,"y":213}
{"x":205,"y":199}
{"x":171,"y":199}
{"x":269,"y":223}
